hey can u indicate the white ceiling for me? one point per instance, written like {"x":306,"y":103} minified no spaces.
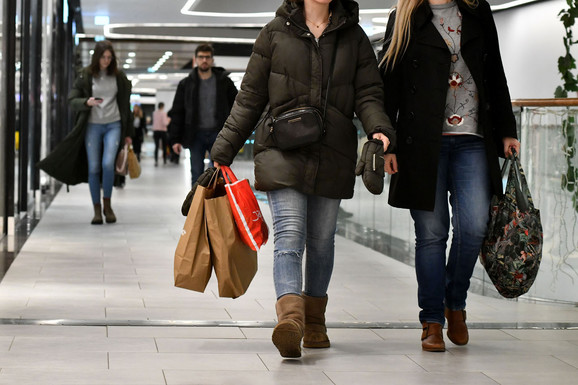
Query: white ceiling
{"x":149,"y":28}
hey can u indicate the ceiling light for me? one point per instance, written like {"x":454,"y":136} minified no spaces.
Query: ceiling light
{"x":131,"y":54}
{"x":129,"y":61}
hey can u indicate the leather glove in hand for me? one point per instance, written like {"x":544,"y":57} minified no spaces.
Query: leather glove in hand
{"x":371,"y":166}
{"x":202,"y":180}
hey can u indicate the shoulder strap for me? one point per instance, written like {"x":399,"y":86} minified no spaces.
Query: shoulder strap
{"x":330,"y":74}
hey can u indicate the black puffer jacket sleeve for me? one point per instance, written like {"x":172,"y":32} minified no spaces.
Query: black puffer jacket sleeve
{"x":369,"y":94}
{"x":249,"y":104}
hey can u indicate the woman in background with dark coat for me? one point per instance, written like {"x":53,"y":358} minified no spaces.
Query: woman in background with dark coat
{"x":447,"y":95}
{"x":289,"y":68}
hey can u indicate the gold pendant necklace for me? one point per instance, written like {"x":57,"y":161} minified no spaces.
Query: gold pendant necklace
{"x":319,"y":25}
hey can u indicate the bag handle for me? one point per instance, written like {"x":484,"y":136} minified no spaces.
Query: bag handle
{"x":228,"y":175}
{"x":517,"y":178}
{"x":330,"y":75}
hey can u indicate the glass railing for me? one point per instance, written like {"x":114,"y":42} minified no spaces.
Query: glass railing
{"x":549,"y":157}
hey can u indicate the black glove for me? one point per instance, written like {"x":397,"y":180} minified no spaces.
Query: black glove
{"x":371,"y":166}
{"x":202,"y":180}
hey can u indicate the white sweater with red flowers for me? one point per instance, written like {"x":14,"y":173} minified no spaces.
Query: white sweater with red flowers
{"x":461,"y":114}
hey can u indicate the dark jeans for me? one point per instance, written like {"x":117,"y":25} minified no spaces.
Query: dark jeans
{"x":201,"y":145}
{"x":160,"y":136}
{"x":463,"y":173}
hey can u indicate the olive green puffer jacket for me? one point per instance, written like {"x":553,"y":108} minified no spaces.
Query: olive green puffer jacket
{"x":287,"y":69}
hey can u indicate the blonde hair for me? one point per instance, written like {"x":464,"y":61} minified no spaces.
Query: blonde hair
{"x":400,"y":37}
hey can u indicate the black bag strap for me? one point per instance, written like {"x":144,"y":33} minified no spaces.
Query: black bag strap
{"x":330,"y":74}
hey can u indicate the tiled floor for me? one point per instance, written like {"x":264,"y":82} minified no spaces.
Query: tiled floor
{"x":86,"y":304}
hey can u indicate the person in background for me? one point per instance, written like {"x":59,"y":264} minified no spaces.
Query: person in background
{"x":201,"y":104}
{"x":160,"y":123}
{"x":290,"y":68}
{"x":446,"y":88}
{"x":101,"y":99}
{"x":140,"y":130}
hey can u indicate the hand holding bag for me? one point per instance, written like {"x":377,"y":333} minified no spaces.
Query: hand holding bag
{"x":248,"y":217}
{"x":512,"y":250}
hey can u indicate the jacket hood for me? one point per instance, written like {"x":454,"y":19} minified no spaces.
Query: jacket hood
{"x":344,"y":13}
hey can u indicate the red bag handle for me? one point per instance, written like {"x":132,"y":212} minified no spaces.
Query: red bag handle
{"x":228,"y":174}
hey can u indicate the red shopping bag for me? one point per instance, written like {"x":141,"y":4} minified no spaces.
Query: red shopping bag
{"x":248,"y":217}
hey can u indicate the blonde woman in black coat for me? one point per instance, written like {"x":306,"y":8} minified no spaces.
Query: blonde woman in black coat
{"x":446,"y":88}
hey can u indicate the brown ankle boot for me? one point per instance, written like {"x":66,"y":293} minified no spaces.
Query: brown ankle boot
{"x":108,"y":213}
{"x":457,"y":328}
{"x":432,"y":339}
{"x":288,"y":333}
{"x":315,"y":334}
{"x":97,"y":219}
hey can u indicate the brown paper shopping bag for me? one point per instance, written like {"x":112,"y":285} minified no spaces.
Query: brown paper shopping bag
{"x":193,"y":255}
{"x":235,"y":263}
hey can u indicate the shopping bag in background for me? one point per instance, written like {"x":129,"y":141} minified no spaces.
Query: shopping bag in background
{"x":133,"y":164}
{"x":192,"y":264}
{"x":246,"y":211}
{"x":235,"y":262}
{"x":121,"y":165}
{"x":512,"y":250}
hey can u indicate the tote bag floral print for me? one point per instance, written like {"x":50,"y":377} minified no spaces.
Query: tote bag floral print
{"x":512,"y":250}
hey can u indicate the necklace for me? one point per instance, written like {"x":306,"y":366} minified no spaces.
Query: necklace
{"x":323,"y":23}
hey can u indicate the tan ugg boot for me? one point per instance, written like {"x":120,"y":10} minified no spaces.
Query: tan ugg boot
{"x":97,"y":219}
{"x":108,"y":213}
{"x":315,"y":335}
{"x":288,"y":333}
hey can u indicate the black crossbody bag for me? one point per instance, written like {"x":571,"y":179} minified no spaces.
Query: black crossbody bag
{"x":301,"y":126}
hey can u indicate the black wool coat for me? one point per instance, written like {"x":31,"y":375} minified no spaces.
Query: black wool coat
{"x":415,"y":98}
{"x":289,"y":69}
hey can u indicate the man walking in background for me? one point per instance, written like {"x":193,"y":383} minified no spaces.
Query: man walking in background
{"x":201,"y":105}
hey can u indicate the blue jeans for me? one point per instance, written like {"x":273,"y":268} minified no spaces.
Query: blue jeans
{"x":101,"y":141}
{"x":302,"y":221}
{"x":203,"y":142}
{"x":463,"y":172}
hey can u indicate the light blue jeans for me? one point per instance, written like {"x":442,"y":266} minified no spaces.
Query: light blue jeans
{"x":101,"y":141}
{"x":463,"y":173}
{"x":302,"y":222}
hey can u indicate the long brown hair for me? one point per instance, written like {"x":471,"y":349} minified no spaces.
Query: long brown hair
{"x":404,"y":11}
{"x":99,"y":49}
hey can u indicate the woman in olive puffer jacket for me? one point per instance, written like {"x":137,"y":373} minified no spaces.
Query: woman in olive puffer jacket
{"x":289,"y":68}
